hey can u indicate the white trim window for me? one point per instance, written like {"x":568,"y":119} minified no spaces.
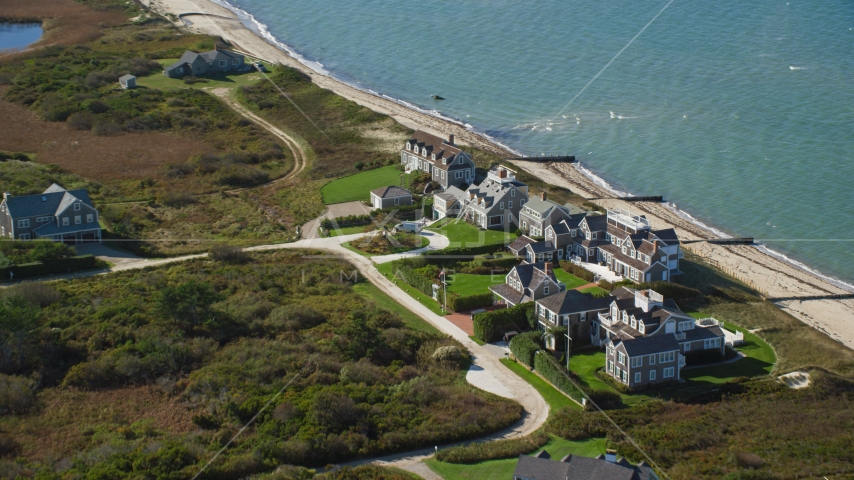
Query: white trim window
{"x":24,"y":236}
{"x":25,"y":223}
{"x":637,"y":362}
{"x":668,"y":372}
{"x":610,"y":366}
{"x":621,"y":358}
{"x":90,"y":218}
{"x":77,"y":220}
{"x":43,"y":219}
{"x":652,"y":375}
{"x":77,"y":207}
{"x":637,"y":377}
{"x":65,"y":221}
{"x":666,"y":357}
{"x":687,"y":346}
{"x":546,"y":290}
{"x":625,"y":377}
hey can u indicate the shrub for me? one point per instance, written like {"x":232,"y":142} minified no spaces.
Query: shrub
{"x":106,"y":129}
{"x":16,"y":396}
{"x":579,"y":272}
{"x":551,"y":370}
{"x":482,"y":451}
{"x":228,"y":254}
{"x":35,"y":293}
{"x":39,"y":269}
{"x":179,"y":199}
{"x":449,"y":355}
{"x":80,"y":121}
{"x":490,"y":326}
{"x":457,"y":303}
{"x":525,"y":347}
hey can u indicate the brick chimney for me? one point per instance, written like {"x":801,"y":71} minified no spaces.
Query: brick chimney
{"x":543,"y":196}
{"x":502,"y":173}
{"x":451,"y":139}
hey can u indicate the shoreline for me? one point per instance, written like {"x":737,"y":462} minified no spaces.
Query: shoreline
{"x":773,"y":273}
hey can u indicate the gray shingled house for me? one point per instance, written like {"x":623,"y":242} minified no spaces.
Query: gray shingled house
{"x":527,"y":282}
{"x":388,"y":197}
{"x":647,"y":338}
{"x":448,"y":203}
{"x":573,"y":310}
{"x":496,"y":202}
{"x":540,"y":213}
{"x":200,"y":64}
{"x":55,"y":214}
{"x":444,"y":161}
{"x":574,"y":467}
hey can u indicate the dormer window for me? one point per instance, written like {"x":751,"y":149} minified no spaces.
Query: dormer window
{"x":408,"y":146}
{"x":433,"y":156}
{"x":642,"y":328}
{"x":444,"y":161}
{"x":77,"y":207}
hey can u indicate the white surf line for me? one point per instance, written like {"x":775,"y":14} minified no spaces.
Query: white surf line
{"x":609,"y":63}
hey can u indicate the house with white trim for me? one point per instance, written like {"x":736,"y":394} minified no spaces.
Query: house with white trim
{"x":55,"y":214}
{"x":526,"y":283}
{"x":446,"y":163}
{"x":495,"y":203}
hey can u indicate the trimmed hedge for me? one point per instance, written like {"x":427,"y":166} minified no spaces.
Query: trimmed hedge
{"x":467,"y":251}
{"x":414,"y":279}
{"x":574,"y":269}
{"x":489,"y":326}
{"x":348,"y":221}
{"x":39,"y":269}
{"x":525,"y":347}
{"x":457,"y":303}
{"x":551,"y":370}
{"x":479,"y":452}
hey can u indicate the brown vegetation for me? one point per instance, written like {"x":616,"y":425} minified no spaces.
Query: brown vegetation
{"x":120,"y":157}
{"x":65,"y":22}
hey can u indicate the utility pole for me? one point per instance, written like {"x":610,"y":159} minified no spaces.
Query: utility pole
{"x":568,"y":346}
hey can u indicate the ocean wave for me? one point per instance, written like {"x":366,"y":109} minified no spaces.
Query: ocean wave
{"x":797,"y":68}
{"x":801,"y":266}
{"x":599,"y":180}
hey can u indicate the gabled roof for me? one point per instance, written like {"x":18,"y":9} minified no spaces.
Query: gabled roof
{"x":648,"y":345}
{"x":543,"y":207}
{"x":127,"y":77}
{"x":451,"y":193}
{"x":573,"y":301}
{"x":51,"y":202}
{"x":667,"y":235}
{"x":391,"y":192}
{"x":520,"y":243}
{"x":596,"y":223}
{"x":533,"y":273}
{"x":574,"y":467}
{"x":508,"y":293}
{"x":702,"y":333}
{"x":541,"y":247}
{"x":434,"y":144}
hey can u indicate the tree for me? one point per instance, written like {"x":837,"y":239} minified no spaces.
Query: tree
{"x":17,"y":325}
{"x":189,"y":305}
{"x":47,"y":251}
{"x":359,"y":338}
{"x":359,"y":166}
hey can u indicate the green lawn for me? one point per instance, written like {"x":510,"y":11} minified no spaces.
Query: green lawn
{"x":359,"y":186}
{"x":759,"y":360}
{"x":157,"y":80}
{"x":462,"y":234}
{"x":572,"y":282}
{"x":503,"y":469}
{"x":467,"y":284}
{"x":553,"y":397}
{"x":433,"y":305}
{"x":595,"y":290}
{"x":369,"y":290}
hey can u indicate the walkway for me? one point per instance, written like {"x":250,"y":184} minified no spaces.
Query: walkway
{"x":600,"y":270}
{"x":437,"y":242}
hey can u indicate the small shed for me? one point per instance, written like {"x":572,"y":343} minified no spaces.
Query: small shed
{"x":388,"y":197}
{"x":127,"y":81}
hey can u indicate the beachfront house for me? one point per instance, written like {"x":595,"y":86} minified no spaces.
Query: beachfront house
{"x":446,"y":164}
{"x":448,"y":203}
{"x":540,"y":213}
{"x":648,"y":339}
{"x":571,"y":309}
{"x":199,"y":64}
{"x":558,"y":237}
{"x":526,"y":283}
{"x":389,"y":197}
{"x":55,"y":214}
{"x":575,"y":467}
{"x":496,"y":202}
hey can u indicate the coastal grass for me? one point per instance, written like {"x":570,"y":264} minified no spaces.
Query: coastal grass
{"x":503,"y":469}
{"x":572,"y":282}
{"x":466,"y":284}
{"x":463,"y":234}
{"x":358,"y":186}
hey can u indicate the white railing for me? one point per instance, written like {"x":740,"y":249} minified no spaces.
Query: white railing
{"x":681,"y":360}
{"x":606,"y":320}
{"x":708,"y":322}
{"x":596,"y":341}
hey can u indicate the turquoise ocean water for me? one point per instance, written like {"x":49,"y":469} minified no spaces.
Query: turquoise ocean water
{"x":741,"y":113}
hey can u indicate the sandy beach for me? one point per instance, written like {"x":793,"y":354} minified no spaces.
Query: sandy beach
{"x":776,"y":279}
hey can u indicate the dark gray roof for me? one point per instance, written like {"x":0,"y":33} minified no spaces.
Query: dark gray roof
{"x":647,"y":345}
{"x":533,"y":273}
{"x":508,"y":293}
{"x":597,"y":223}
{"x":391,"y":192}
{"x":573,"y":301}
{"x":520,"y":244}
{"x":48,"y":203}
{"x":127,"y":77}
{"x":542,"y":247}
{"x":702,"y":333}
{"x":560,"y":228}
{"x":52,"y":228}
{"x":667,"y":235}
{"x":574,"y":467}
{"x":434,"y":144}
